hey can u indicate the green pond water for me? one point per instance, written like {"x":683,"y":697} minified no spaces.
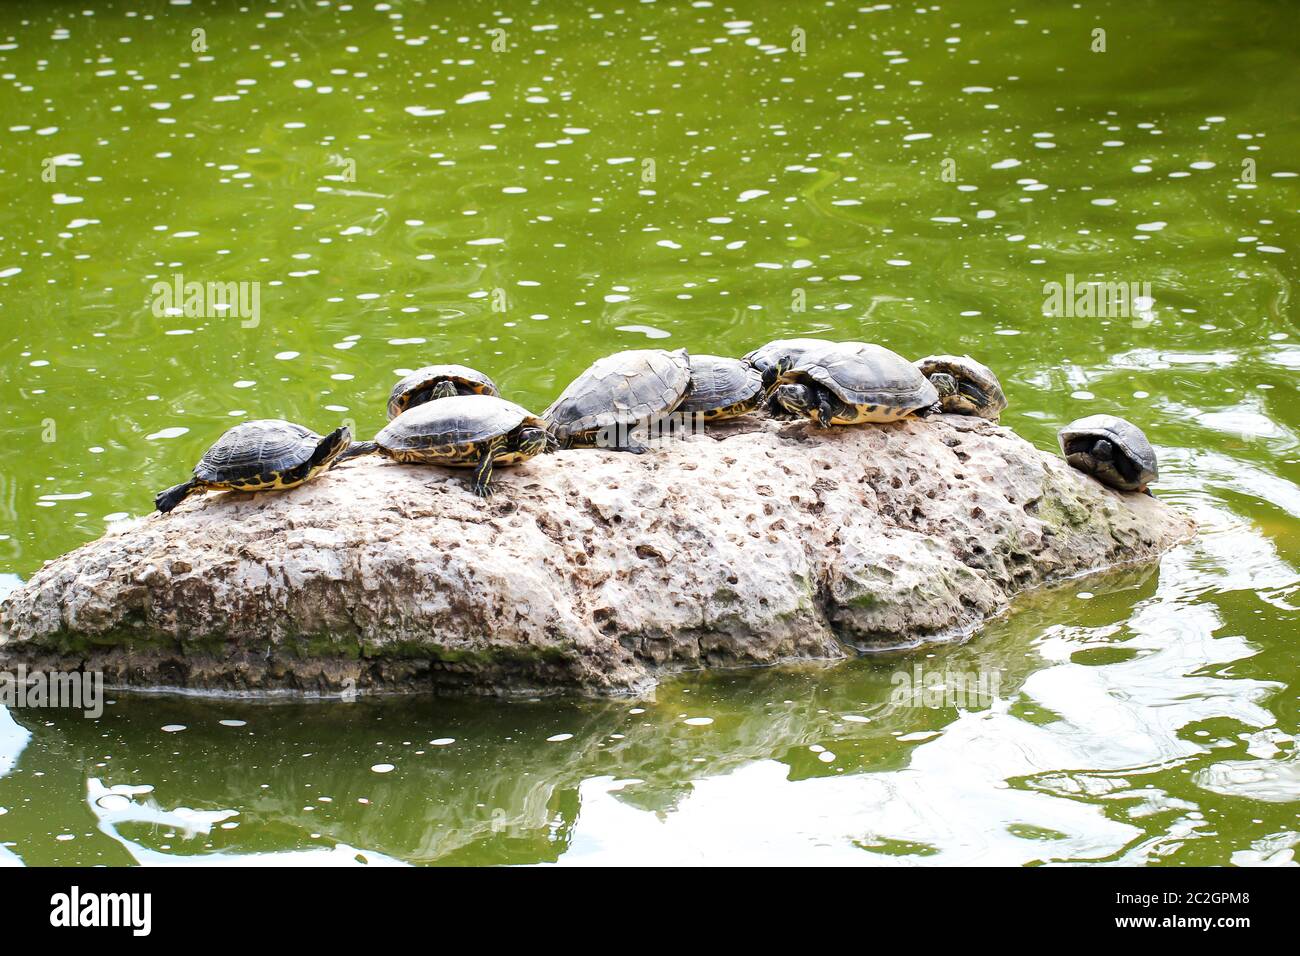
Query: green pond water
{"x":525,"y":187}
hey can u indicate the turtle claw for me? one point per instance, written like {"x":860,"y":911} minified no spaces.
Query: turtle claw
{"x":483,"y":472}
{"x":778,"y":411}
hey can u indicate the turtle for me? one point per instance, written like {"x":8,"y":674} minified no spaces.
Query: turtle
{"x":1112,"y":450}
{"x":260,"y":456}
{"x":464,"y":431}
{"x":853,"y":382}
{"x":722,"y":388}
{"x":767,"y":357}
{"x":438,"y":381}
{"x":615,"y":402}
{"x":965,"y":386}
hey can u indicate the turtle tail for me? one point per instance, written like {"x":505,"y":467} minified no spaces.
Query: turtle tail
{"x":357,"y":449}
{"x":165,"y":501}
{"x":332,"y":446}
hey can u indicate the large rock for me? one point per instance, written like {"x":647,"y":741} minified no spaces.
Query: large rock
{"x":590,"y":570}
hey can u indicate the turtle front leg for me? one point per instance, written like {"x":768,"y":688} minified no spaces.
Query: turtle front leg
{"x":623,"y":437}
{"x":631,"y":441}
{"x":825,"y":407}
{"x":483,"y":471}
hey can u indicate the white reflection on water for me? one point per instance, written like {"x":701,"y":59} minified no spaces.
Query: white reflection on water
{"x":1276,"y":849}
{"x":1273,"y":781}
{"x":13,"y":738}
{"x":114,"y":806}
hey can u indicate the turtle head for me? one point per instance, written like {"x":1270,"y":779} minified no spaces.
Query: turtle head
{"x":944,"y":384}
{"x":442,"y":389}
{"x":963,"y":396}
{"x":332,"y":446}
{"x":1100,"y":458}
{"x":796,"y":399}
{"x":534,"y":441}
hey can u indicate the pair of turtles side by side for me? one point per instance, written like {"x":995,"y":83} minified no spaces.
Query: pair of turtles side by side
{"x":260,"y":456}
{"x":478,"y":431}
{"x":622,"y":397}
{"x":851,"y":383}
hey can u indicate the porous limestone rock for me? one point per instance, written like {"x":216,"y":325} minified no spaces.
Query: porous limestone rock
{"x":590,"y":570}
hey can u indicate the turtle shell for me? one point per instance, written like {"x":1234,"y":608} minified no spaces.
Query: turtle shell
{"x":718,"y":383}
{"x":988,"y":399}
{"x":263,"y":447}
{"x":462,"y":376}
{"x":1077,"y":437}
{"x":623,"y":389}
{"x":460,"y":420}
{"x":796,"y":350}
{"x":862,"y":374}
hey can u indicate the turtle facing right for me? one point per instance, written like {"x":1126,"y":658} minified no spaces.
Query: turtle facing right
{"x":260,"y":456}
{"x":464,"y":431}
